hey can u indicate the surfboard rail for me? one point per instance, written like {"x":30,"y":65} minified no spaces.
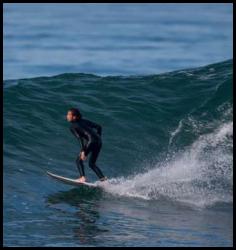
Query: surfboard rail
{"x":70,"y":181}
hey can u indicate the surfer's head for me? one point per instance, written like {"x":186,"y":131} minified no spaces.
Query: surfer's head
{"x":73,"y":114}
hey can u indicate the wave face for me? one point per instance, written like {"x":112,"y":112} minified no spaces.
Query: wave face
{"x":166,"y":136}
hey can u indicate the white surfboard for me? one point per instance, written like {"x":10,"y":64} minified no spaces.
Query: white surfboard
{"x":70,"y":181}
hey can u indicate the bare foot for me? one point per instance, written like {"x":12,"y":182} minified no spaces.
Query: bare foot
{"x":81,"y":179}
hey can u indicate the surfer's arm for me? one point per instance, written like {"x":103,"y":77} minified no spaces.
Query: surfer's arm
{"x":75,"y":133}
{"x":87,"y":146}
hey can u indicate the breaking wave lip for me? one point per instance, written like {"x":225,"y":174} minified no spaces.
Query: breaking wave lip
{"x":199,"y":176}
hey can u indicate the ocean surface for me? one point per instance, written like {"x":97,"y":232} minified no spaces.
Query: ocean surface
{"x":158,"y":79}
{"x":167,"y":150}
{"x":113,"y":39}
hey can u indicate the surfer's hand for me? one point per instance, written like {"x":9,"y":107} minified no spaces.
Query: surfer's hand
{"x":82,"y":156}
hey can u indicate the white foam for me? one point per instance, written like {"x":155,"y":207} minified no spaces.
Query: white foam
{"x":174,"y":133}
{"x":189,"y":177}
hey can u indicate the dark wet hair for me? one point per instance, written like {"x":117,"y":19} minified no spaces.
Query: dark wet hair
{"x":75,"y":112}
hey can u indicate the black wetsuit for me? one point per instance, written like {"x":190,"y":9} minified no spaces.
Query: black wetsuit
{"x":90,"y":143}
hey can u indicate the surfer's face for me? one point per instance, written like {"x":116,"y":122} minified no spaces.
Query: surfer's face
{"x":70,"y":116}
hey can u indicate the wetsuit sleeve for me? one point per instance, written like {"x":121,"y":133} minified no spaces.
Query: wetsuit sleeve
{"x":96,"y":126}
{"x":74,"y":132}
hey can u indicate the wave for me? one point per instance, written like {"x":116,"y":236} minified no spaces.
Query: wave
{"x":201,"y":175}
{"x":168,"y":135}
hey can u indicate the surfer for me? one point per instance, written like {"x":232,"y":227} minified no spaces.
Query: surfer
{"x":90,"y":142}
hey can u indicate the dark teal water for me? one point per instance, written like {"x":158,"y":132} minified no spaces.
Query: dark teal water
{"x":167,"y":150}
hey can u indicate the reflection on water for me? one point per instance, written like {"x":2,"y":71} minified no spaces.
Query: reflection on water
{"x":85,"y":202}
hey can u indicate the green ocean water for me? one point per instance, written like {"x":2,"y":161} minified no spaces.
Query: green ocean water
{"x":167,"y":150}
